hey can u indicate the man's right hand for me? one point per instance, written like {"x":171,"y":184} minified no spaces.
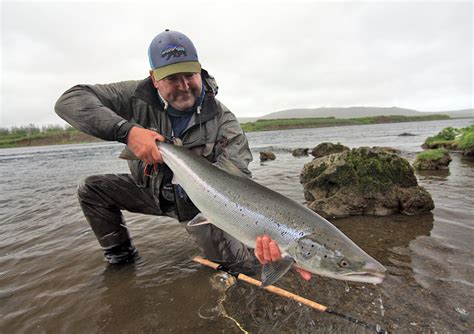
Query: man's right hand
{"x":142,"y":142}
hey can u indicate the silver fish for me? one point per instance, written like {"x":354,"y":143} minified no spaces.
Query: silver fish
{"x":246,"y":210}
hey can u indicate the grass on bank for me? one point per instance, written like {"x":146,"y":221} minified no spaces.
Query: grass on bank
{"x":432,"y":155}
{"x":33,"y":135}
{"x":294,"y":123}
{"x":466,"y":140}
{"x":45,"y":135}
{"x":452,"y":138}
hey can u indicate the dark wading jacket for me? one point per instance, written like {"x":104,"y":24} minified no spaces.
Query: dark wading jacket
{"x":109,"y":112}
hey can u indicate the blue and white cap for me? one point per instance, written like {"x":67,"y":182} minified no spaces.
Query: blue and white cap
{"x":172,"y":52}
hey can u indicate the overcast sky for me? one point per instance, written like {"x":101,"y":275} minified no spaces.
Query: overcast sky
{"x":266,"y":56}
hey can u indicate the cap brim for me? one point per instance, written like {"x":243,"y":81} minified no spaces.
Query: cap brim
{"x":184,"y":67}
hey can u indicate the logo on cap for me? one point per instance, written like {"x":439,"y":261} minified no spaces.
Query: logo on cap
{"x":173,"y":50}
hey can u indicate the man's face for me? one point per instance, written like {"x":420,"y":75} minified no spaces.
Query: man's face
{"x":180,"y":90}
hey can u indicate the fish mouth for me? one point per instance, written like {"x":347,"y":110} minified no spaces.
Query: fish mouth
{"x":375,"y":277}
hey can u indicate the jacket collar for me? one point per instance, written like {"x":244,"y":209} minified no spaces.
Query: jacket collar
{"x":146,"y":92}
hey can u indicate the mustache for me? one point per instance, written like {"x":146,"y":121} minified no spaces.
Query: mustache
{"x":186,"y":93}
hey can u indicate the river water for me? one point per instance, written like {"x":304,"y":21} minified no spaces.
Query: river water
{"x":53,"y":277}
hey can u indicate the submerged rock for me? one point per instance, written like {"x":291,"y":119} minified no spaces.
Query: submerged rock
{"x":300,"y":152}
{"x":324,"y":149}
{"x":469,"y":152}
{"x":363,"y":181}
{"x":432,"y":160}
{"x":267,"y":155}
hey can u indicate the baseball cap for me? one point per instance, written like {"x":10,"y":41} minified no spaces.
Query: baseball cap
{"x":172,"y":52}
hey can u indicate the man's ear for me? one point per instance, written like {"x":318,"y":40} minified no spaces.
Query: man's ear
{"x":155,"y":83}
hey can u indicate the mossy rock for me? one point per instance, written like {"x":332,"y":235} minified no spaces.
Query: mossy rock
{"x":300,"y":152}
{"x":432,"y":160}
{"x":267,"y":155}
{"x":324,"y":149}
{"x":446,"y":138}
{"x":361,"y":181}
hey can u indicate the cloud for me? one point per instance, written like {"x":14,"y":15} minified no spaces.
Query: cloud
{"x":266,"y":56}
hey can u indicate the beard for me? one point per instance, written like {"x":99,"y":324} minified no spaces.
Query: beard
{"x":185,"y":99}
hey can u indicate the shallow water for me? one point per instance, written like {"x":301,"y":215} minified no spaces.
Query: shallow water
{"x":53,"y":277}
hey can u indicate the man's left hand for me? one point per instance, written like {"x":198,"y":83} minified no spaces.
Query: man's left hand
{"x":267,"y":250}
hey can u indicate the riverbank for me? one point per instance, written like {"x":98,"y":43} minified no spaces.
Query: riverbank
{"x":297,"y":123}
{"x":58,"y":136}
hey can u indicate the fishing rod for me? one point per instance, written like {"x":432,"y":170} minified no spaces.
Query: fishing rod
{"x":289,"y":295}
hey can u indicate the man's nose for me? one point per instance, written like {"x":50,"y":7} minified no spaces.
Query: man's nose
{"x":183,"y":83}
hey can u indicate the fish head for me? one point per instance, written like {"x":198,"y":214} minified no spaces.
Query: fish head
{"x":340,"y":259}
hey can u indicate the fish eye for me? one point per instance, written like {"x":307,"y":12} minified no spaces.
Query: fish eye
{"x":343,"y":263}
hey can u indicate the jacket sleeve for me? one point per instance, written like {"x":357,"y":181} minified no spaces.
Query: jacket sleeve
{"x":103,"y":111}
{"x":234,"y":142}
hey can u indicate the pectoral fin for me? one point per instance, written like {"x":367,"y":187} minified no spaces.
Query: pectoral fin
{"x":228,"y":166}
{"x":198,"y":220}
{"x":127,"y":154}
{"x":273,"y":271}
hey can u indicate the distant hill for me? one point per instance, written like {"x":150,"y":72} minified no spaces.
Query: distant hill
{"x":354,"y":112}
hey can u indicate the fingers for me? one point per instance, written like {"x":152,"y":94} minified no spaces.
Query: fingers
{"x":266,"y":250}
{"x":306,"y":275}
{"x":259,"y":250}
{"x":159,"y":137}
{"x":155,"y":155}
{"x":142,"y":142}
{"x":275,"y":253}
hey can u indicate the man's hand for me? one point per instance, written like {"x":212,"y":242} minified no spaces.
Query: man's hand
{"x":267,"y":250}
{"x":142,"y":142}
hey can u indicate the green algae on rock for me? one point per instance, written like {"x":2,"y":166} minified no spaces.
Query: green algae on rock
{"x":363,"y":181}
{"x":432,"y":159}
{"x":328,"y":148}
{"x":453,"y":139}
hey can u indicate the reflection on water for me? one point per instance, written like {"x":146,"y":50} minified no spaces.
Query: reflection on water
{"x":438,"y":175}
{"x":381,"y":237}
{"x":53,"y":278}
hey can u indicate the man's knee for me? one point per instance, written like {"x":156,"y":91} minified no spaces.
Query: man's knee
{"x":84,"y":188}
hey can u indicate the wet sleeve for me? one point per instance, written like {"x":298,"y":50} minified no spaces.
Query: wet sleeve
{"x":234,"y":141}
{"x":103,"y":111}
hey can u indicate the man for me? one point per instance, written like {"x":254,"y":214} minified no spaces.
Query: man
{"x":176,"y":100}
